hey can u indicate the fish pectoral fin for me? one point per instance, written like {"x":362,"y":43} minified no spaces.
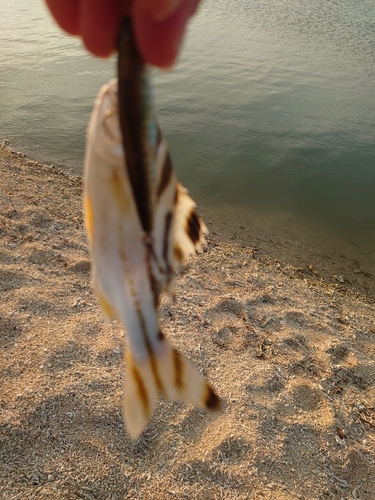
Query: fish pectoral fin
{"x":172,"y":375}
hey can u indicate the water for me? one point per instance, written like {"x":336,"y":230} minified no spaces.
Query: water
{"x":271,"y":108}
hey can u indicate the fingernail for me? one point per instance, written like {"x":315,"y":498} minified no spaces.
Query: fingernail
{"x":168,"y":8}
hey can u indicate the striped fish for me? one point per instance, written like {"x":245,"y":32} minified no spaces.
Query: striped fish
{"x":141,"y":223}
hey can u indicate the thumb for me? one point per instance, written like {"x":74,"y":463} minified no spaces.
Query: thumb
{"x":160,"y":32}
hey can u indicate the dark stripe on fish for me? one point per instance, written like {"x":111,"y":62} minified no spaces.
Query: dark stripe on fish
{"x":167,"y":229}
{"x":131,"y":115}
{"x":178,"y":253}
{"x":155,"y":373}
{"x":178,"y":367}
{"x":159,"y":137}
{"x":193,"y":228}
{"x":165,"y":177}
{"x":141,"y":389}
{"x":154,"y":284}
{"x":151,"y":353}
{"x":155,"y":289}
{"x":211,"y":401}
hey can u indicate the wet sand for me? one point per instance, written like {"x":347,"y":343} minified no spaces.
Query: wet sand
{"x":284,"y":332}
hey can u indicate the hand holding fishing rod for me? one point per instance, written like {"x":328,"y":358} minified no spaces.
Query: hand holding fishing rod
{"x":159,"y":25}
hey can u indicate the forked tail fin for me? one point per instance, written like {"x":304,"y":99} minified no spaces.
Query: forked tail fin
{"x":168,"y":373}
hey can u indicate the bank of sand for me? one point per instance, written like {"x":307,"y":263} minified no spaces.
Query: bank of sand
{"x":288,"y":346}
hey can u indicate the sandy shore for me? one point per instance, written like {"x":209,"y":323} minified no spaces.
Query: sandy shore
{"x":285,"y":335}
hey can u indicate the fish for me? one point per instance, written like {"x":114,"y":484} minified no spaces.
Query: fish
{"x":141,"y":223}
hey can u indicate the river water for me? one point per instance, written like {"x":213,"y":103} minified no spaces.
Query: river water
{"x":270,"y":110}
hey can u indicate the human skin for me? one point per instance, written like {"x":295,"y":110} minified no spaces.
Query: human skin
{"x":159,"y":24}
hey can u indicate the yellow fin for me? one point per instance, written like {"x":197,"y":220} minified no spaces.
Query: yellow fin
{"x":105,"y":305}
{"x":119,"y":194}
{"x":168,"y":373}
{"x":89,"y":217}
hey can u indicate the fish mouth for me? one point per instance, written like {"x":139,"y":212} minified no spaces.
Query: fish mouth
{"x":132,"y":116}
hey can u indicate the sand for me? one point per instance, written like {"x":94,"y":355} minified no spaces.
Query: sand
{"x":287,"y":344}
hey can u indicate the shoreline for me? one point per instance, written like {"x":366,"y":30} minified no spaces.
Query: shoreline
{"x":289,"y":348}
{"x":306,"y":254}
{"x":311,"y":252}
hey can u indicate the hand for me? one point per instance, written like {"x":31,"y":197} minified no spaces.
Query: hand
{"x":159,"y":24}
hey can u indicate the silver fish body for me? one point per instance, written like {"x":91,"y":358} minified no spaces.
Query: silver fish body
{"x":117,"y":240}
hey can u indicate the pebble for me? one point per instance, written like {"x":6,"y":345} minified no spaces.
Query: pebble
{"x":51,"y":477}
{"x":354,"y":494}
{"x":340,"y":279}
{"x":340,"y":441}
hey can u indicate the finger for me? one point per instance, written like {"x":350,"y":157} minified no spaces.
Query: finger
{"x":159,"y":10}
{"x":99,"y":23}
{"x":66,"y":14}
{"x":159,"y":42}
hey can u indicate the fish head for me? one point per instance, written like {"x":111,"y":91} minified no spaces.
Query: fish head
{"x":104,"y":127}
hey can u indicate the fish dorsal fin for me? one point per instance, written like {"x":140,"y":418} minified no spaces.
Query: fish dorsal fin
{"x":190,"y":230}
{"x":178,"y":230}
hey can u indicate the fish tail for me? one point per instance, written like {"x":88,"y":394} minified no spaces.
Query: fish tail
{"x":168,"y":373}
